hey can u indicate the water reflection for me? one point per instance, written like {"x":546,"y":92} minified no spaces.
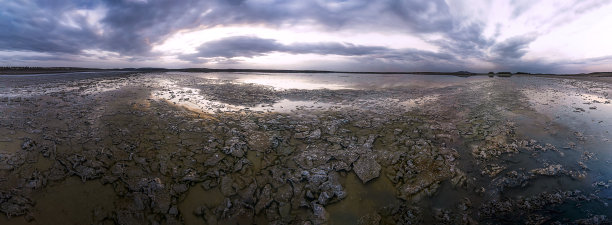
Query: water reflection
{"x":579,"y":111}
{"x":182,"y":89}
{"x":337,"y":81}
{"x":194,"y":99}
{"x":281,"y":83}
{"x":569,"y":125}
{"x":82,"y":87}
{"x":583,"y":118}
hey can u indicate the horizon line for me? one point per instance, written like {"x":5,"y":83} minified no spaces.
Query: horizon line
{"x":4,"y":69}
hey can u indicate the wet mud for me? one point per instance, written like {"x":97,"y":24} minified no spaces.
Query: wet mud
{"x":242,"y":148}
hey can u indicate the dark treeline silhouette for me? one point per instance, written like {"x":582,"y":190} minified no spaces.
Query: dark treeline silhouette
{"x":42,"y":70}
{"x":35,"y":68}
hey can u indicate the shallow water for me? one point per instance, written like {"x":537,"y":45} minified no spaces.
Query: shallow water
{"x":202,"y":148}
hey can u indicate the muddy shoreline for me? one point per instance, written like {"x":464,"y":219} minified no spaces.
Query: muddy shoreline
{"x":215,"y":148}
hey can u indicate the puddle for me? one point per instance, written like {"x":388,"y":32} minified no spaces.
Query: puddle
{"x":361,"y":199}
{"x":69,"y":202}
{"x":578,"y":114}
{"x":83,"y":87}
{"x":10,"y":141}
{"x":281,"y":83}
{"x":198,"y":197}
{"x":255,"y":158}
{"x":286,"y":106}
{"x":73,"y":202}
{"x":588,"y":114}
{"x":194,"y":99}
{"x":338,"y":81}
{"x":190,"y":98}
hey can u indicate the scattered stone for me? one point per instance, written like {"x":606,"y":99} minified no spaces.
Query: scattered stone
{"x":366,"y":168}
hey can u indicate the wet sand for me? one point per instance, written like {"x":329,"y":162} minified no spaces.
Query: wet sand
{"x":257,"y":148}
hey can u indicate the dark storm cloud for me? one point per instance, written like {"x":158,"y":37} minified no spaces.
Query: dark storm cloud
{"x":238,"y":46}
{"x":423,"y":15}
{"x":130,"y":28}
{"x":465,"y":41}
{"x":332,"y":48}
{"x":248,"y":46}
{"x":133,"y":26}
{"x":38,"y":28}
{"x":512,"y":48}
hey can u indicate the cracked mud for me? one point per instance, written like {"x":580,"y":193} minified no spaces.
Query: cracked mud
{"x":232,"y":148}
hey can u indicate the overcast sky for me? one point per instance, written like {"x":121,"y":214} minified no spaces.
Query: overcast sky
{"x":357,"y":35}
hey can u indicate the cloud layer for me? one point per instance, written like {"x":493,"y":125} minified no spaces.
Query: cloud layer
{"x":473,"y":36}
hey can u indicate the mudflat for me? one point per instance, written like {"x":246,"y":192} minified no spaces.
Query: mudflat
{"x":260,"y":148}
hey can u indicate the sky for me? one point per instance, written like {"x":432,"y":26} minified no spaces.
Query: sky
{"x":545,"y":36}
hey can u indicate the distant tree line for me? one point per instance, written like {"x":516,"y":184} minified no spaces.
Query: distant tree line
{"x":30,"y":68}
{"x":509,"y":73}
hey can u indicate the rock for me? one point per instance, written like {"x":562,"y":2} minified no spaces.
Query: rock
{"x":87,"y":173}
{"x":150,"y":185}
{"x":309,"y":194}
{"x":366,"y":168}
{"x":36,"y":180}
{"x":235,"y":147}
{"x":369,"y":143}
{"x":460,"y":179}
{"x":348,"y":156}
{"x":284,"y":193}
{"x":209,"y":184}
{"x":199,"y":211}
{"x":48,"y":150}
{"x":465,"y":204}
{"x":301,"y":135}
{"x":363,"y":124}
{"x":301,"y":128}
{"x":173,"y":211}
{"x":316,"y":134}
{"x":595,"y":220}
{"x":14,"y":204}
{"x":317,"y":177}
{"x":511,"y":179}
{"x":417,"y":188}
{"x":332,"y":189}
{"x":492,"y":170}
{"x":528,"y":204}
{"x":180,"y":188}
{"x":214,"y":159}
{"x":551,"y":170}
{"x":264,"y":199}
{"x":319,"y":211}
{"x":227,"y":186}
{"x":442,"y":216}
{"x":323,"y":198}
{"x":313,"y":156}
{"x":28,"y":144}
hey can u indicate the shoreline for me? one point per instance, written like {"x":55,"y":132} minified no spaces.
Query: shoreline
{"x":17,"y":72}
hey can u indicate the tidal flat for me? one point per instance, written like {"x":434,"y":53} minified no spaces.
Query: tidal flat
{"x":263,"y":148}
